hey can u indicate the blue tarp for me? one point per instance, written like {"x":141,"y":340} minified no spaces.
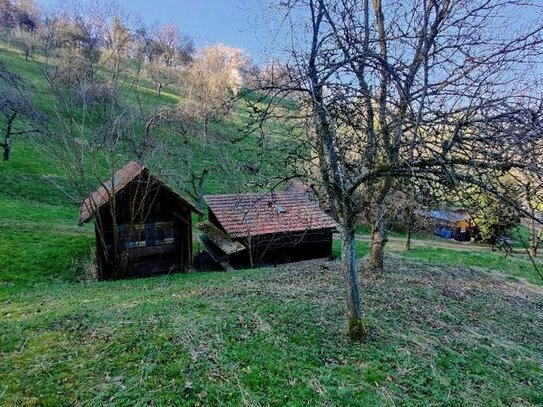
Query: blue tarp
{"x":444,"y":232}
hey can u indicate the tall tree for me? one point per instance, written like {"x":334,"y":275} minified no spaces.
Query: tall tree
{"x":24,"y":14}
{"x":164,"y":51}
{"x":96,"y":127}
{"x":529,"y":122}
{"x":406,"y":207}
{"x":403,"y":90}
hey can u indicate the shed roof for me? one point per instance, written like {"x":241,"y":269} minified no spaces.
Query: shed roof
{"x":256,"y":214}
{"x":120,"y":180}
{"x":449,"y":216}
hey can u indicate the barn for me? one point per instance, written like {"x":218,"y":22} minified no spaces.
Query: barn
{"x":266,"y":228}
{"x":142,"y":226}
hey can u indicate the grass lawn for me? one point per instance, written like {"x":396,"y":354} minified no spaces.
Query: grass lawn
{"x":516,"y":268}
{"x":439,"y":336}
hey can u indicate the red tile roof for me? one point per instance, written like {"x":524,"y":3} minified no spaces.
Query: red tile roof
{"x":120,"y":179}
{"x":246,"y":215}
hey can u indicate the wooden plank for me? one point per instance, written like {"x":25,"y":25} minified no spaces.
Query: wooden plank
{"x":226,"y":266}
{"x":224,"y":261}
{"x":220,"y":239}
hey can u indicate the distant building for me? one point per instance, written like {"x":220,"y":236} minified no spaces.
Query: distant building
{"x":266,"y":228}
{"x":142,"y":226}
{"x":454,"y":224}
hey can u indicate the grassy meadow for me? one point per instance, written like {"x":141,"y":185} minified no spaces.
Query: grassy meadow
{"x":448,"y":327}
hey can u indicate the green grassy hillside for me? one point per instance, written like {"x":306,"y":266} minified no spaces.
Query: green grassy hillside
{"x":441,"y":335}
{"x":38,"y":217}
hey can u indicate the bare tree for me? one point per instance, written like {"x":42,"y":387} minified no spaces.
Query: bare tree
{"x":164,"y":51}
{"x":533,"y":198}
{"x":25,"y":40}
{"x":273,"y":74}
{"x":406,"y":206}
{"x":17,"y":114}
{"x":529,"y":122}
{"x":403,"y":90}
{"x":118,"y":40}
{"x":23,"y":14}
{"x":7,"y":17}
{"x":213,"y":78}
{"x":96,"y":127}
{"x":71,"y":33}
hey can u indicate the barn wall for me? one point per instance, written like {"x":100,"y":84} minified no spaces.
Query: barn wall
{"x":287,"y":248}
{"x":157,"y":250}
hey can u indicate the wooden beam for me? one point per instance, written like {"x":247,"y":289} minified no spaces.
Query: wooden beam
{"x":182,"y":218}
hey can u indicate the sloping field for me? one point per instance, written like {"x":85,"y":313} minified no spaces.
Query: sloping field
{"x":439,"y":336}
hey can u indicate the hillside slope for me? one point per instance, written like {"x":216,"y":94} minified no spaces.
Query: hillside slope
{"x":40,"y":240}
{"x":439,"y":336}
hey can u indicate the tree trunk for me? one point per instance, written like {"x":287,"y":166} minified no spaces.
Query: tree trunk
{"x":206,"y":125}
{"x":7,"y":136}
{"x":533,"y":236}
{"x":7,"y":147}
{"x":378,"y":236}
{"x":158,"y":89}
{"x":356,"y":328}
{"x":378,"y":241}
{"x":408,"y":241}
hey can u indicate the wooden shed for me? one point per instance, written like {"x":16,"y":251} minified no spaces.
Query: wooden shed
{"x":454,"y":224}
{"x":267,"y":228}
{"x":142,"y":226}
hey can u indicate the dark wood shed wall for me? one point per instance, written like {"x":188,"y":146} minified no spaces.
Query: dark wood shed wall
{"x":293,"y":246}
{"x":283,"y":247}
{"x":145,"y":207}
